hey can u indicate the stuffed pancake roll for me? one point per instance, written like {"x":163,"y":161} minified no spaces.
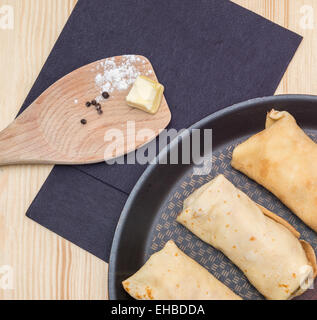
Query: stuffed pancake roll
{"x":283,"y":159}
{"x":171,"y":275}
{"x":264,"y":246}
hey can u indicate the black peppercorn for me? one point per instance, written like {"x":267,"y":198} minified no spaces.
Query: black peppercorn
{"x":88,"y":104}
{"x":105,"y":95}
{"x":83,"y":121}
{"x":99,"y":111}
{"x":93,"y":102}
{"x":98,"y":106}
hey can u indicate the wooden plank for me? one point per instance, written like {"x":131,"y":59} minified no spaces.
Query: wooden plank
{"x":45,"y":266}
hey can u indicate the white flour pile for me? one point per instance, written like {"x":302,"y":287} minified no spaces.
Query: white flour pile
{"x":117,"y":76}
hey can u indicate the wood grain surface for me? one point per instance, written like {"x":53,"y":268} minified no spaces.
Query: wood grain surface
{"x":44,"y":265}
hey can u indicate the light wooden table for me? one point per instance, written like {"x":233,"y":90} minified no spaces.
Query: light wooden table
{"x":44,"y":265}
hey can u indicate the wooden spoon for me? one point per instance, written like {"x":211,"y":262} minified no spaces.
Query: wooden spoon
{"x":50,"y":130}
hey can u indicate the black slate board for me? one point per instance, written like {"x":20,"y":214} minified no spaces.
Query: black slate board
{"x":208,"y":53}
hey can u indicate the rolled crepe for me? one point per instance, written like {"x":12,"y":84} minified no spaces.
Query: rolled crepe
{"x":283,"y":159}
{"x":171,"y":275}
{"x":261,"y":244}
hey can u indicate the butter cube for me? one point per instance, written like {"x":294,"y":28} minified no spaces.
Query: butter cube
{"x":145,"y":94}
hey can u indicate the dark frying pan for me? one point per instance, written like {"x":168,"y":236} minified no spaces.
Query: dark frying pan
{"x":147,"y":221}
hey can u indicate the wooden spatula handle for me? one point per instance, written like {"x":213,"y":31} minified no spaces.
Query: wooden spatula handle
{"x":22,"y":143}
